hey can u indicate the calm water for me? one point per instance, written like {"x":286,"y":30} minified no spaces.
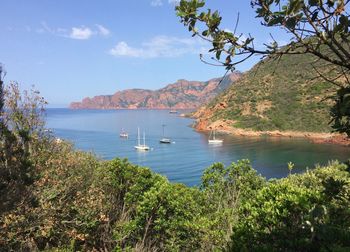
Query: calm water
{"x":185,"y":159}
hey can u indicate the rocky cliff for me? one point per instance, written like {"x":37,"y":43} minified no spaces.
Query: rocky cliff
{"x":182,"y":94}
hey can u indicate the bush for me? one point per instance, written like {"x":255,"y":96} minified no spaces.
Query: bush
{"x":304,"y":212}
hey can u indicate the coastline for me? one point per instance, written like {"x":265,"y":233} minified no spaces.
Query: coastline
{"x":225,"y":126}
{"x":143,"y":108}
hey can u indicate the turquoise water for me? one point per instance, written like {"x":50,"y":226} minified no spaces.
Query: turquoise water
{"x":185,"y":159}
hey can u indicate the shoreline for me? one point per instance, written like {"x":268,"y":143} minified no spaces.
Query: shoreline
{"x":224,"y":126}
{"x":177,"y":109}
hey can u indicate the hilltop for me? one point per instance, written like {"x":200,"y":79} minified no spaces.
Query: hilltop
{"x":276,"y":97}
{"x":182,"y":94}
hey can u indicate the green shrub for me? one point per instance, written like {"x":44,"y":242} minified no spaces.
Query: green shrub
{"x":304,"y":212}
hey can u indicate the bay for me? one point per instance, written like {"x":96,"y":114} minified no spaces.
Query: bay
{"x":189,"y":154}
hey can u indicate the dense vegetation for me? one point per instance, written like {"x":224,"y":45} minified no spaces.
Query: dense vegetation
{"x":278,"y":95}
{"x":76,"y":202}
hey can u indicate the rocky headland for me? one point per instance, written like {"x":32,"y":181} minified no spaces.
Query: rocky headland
{"x":182,"y":94}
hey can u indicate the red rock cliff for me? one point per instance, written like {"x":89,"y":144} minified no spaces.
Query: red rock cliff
{"x":182,"y":94}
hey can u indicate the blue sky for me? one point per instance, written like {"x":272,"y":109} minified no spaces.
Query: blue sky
{"x":73,"y":49}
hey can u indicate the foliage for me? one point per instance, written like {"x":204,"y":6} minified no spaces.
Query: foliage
{"x":225,"y":188}
{"x":307,"y":212}
{"x":169,"y":217}
{"x":21,"y":126}
{"x":24,"y":114}
{"x":64,"y":203}
{"x":340,"y":112}
{"x":327,"y":22}
{"x":2,"y":97}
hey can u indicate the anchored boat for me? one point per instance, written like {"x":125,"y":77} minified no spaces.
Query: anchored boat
{"x":164,"y":139}
{"x":140,"y":146}
{"x":214,"y":140}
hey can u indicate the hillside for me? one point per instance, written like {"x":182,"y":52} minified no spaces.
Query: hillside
{"x":182,"y":94}
{"x":281,"y":95}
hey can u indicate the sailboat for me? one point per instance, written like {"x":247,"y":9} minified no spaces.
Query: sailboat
{"x":214,"y":140}
{"x":123,"y":134}
{"x":140,"y":146}
{"x":172,"y":111}
{"x":164,"y":139}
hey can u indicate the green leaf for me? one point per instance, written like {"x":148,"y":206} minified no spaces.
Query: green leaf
{"x":205,"y":33}
{"x":314,"y":2}
{"x":291,"y":22}
{"x":218,"y":54}
{"x":344,"y":20}
{"x":274,"y":21}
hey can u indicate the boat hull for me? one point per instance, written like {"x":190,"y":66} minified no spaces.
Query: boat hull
{"x":165,"y":140}
{"x":142,"y":147}
{"x":215,"y":141}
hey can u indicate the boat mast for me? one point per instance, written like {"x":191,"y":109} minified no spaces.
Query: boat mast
{"x":138,"y":136}
{"x":144,"y":139}
{"x":163,"y":129}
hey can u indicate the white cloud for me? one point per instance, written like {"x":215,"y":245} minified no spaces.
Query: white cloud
{"x":123,"y":49}
{"x":156,"y":3}
{"x":173,"y":1}
{"x":103,"y":30}
{"x":80,"y":33}
{"x":161,"y":46}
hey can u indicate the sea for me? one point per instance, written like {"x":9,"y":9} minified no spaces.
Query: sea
{"x":189,"y":153}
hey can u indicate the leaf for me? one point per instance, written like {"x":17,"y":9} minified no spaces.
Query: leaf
{"x":205,"y":33}
{"x":274,"y":21}
{"x":228,"y":60}
{"x":313,"y":2}
{"x":291,"y":22}
{"x":344,"y":21}
{"x":295,"y":6}
{"x":330,"y":3}
{"x":218,"y":54}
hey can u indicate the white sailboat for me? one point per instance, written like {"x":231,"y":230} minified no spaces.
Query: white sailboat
{"x":140,"y":146}
{"x":214,"y":140}
{"x":164,"y":139}
{"x":123,"y":134}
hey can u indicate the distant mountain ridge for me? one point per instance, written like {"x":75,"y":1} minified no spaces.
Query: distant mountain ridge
{"x":182,"y":94}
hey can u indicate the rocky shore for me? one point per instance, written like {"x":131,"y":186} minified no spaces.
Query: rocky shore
{"x":226,"y":126}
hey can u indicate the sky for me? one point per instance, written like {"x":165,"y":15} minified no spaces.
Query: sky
{"x":74,"y":49}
